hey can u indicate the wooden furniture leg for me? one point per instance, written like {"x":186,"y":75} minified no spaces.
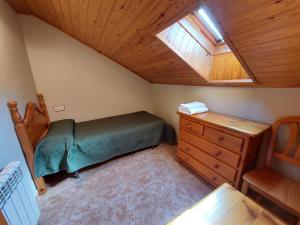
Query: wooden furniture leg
{"x":245,"y":187}
{"x":40,"y":185}
{"x":2,"y":219}
{"x":258,"y":198}
{"x":76,"y":175}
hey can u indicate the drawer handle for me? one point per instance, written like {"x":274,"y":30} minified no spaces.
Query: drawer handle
{"x":187,"y":149}
{"x":220,"y":138}
{"x":214,"y":178}
{"x":216,"y":166}
{"x":189,"y":126}
{"x":188,"y":138}
{"x":218,"y":153}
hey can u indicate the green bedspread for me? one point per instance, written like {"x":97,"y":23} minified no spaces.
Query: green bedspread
{"x":98,"y":140}
{"x":52,"y":151}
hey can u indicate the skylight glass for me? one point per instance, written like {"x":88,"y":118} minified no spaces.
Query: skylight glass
{"x":210,"y":25}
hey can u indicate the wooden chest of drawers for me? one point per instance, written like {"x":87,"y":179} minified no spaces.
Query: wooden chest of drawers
{"x":219,"y":148}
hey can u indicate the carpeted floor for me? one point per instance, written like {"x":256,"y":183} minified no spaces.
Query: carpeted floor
{"x":148,"y":187}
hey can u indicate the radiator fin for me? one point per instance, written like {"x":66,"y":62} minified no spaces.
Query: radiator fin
{"x":16,"y":204}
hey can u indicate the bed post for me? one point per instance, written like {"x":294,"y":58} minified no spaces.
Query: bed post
{"x":26,"y":145}
{"x":43,"y":106}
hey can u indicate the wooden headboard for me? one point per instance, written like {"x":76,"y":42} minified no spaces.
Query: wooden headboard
{"x":30,"y":130}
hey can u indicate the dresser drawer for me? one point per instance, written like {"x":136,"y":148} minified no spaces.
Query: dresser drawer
{"x":226,"y":140}
{"x":202,"y":170}
{"x":213,"y":150}
{"x":219,"y":143}
{"x":217,"y":166}
{"x":192,"y":127}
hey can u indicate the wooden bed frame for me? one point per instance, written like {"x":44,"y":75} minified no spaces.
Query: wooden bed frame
{"x":30,"y":130}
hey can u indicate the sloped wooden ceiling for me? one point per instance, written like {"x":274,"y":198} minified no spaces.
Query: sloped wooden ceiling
{"x":264,"y":33}
{"x":123,"y":30}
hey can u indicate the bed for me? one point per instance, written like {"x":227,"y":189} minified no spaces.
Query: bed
{"x":68,"y":146}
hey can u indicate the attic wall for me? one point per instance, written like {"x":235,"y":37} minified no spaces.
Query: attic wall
{"x":16,"y":82}
{"x":260,"y":104}
{"x":88,"y":84}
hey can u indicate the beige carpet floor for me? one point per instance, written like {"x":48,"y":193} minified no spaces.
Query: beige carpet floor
{"x":148,"y":187}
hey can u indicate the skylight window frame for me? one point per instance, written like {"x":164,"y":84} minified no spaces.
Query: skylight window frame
{"x":209,"y":25}
{"x":195,"y":28}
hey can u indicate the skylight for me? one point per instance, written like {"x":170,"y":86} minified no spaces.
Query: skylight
{"x":209,"y":25}
{"x":198,"y":42}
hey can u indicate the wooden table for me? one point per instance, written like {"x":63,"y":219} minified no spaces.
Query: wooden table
{"x":226,"y":206}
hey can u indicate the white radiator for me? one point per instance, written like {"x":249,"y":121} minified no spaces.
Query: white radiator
{"x":17,"y":205}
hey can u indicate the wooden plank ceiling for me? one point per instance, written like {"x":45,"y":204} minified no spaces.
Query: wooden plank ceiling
{"x":265,"y":33}
{"x":122,"y":30}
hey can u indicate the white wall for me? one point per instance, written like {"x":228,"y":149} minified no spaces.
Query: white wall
{"x":16,"y":82}
{"x":88,"y":84}
{"x":259,"y":104}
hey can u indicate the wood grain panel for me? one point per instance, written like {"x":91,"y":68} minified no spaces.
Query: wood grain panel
{"x":207,"y":173}
{"x":187,"y":48}
{"x":226,"y":206}
{"x":226,"y":67}
{"x":194,"y":29}
{"x":20,"y":6}
{"x":225,"y":171}
{"x":194,"y":128}
{"x":218,"y":60}
{"x":122,"y":30}
{"x":275,"y":186}
{"x":218,"y":152}
{"x":228,"y":141}
{"x":235,"y":124}
{"x":266,"y":33}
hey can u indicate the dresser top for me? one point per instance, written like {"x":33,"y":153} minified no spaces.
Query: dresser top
{"x":248,"y":127}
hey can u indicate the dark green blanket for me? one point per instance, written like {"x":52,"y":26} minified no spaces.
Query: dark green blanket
{"x":52,"y":151}
{"x":98,"y":140}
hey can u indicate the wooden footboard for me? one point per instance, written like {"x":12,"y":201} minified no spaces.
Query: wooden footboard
{"x":30,"y":130}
